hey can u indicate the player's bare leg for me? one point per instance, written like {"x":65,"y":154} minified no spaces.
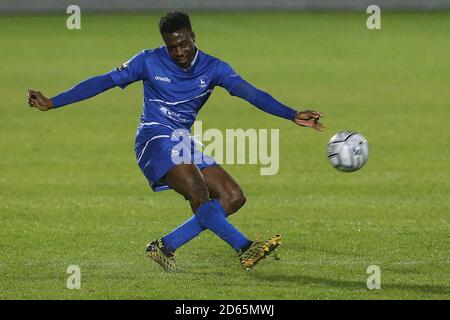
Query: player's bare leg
{"x":223,"y":187}
{"x":187,"y":180}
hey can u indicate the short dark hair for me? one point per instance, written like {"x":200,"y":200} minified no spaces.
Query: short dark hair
{"x":174,"y":21}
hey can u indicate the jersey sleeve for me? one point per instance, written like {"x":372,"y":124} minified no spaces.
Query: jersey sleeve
{"x":227,"y":78}
{"x":131,"y":71}
{"x":237,"y":86}
{"x":84,"y":90}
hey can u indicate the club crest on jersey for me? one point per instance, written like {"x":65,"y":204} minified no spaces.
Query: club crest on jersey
{"x":202,"y":81}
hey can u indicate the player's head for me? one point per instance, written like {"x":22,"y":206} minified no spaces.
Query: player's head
{"x":176,"y":31}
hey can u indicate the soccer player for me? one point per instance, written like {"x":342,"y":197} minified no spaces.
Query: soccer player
{"x":178,"y":79}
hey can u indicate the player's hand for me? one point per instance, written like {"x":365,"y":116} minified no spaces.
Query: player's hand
{"x":309,"y":118}
{"x":37,"y":100}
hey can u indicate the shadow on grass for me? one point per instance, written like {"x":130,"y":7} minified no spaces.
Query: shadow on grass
{"x":347,"y":284}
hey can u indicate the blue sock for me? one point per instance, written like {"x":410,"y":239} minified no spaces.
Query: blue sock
{"x":183,"y":233}
{"x":192,"y":228}
{"x":212,"y":215}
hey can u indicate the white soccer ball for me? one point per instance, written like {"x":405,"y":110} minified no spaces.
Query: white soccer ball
{"x":348,"y":151}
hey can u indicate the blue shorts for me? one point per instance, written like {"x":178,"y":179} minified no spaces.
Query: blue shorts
{"x":159,"y":148}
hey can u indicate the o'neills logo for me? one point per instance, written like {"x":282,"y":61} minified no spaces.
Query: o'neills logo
{"x":165,"y":79}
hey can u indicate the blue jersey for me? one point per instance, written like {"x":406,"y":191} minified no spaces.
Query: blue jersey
{"x":174,"y":96}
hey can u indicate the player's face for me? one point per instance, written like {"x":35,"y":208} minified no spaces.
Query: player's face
{"x":180,"y":45}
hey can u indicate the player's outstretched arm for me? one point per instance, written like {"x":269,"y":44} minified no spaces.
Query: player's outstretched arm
{"x":83,"y":90}
{"x":264,"y":101}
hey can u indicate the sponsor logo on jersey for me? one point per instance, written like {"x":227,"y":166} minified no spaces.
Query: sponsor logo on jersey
{"x":164,"y":79}
{"x":173,"y":115}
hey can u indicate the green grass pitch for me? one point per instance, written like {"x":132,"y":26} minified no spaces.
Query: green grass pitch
{"x":72,"y":194}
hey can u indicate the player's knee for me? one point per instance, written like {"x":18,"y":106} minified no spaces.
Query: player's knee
{"x":234,"y":199}
{"x":197,"y":194}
